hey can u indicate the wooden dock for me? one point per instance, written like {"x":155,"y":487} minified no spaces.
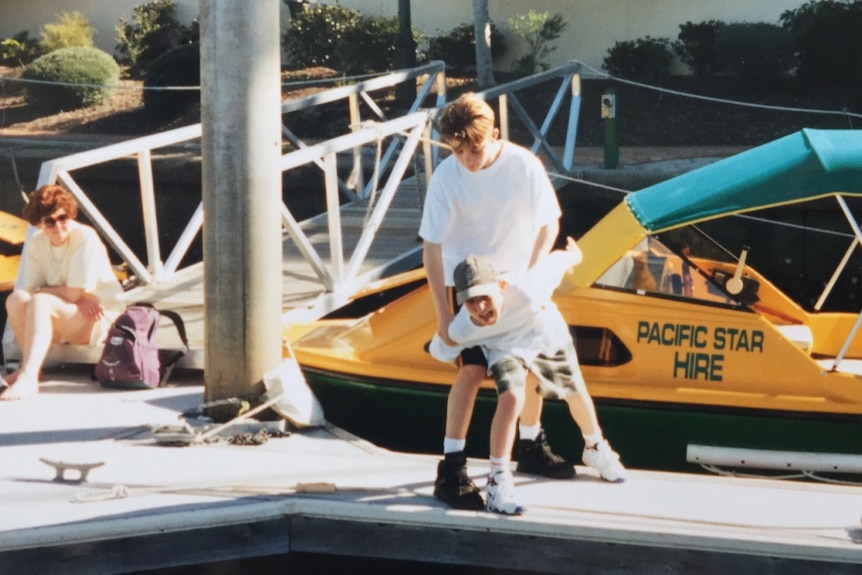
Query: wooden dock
{"x":324,"y":491}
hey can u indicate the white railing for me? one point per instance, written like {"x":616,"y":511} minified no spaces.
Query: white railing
{"x":141,"y":149}
{"x":404,"y":134}
{"x":507,"y":96}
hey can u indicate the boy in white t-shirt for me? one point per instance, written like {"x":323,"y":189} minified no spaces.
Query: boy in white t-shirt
{"x":492,"y":198}
{"x":524,"y":336}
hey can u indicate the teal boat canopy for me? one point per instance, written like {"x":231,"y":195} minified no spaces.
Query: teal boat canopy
{"x":802,"y":166}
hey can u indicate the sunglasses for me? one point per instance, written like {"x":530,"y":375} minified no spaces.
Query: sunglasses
{"x":51,"y":221}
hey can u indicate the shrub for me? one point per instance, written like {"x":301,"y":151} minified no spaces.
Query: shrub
{"x":369,"y":46}
{"x":828,"y":42}
{"x":757,"y":54}
{"x":539,"y":29}
{"x":19,"y":50}
{"x":645,"y":59}
{"x":153,"y":31}
{"x":457,"y":48}
{"x":177,"y":67}
{"x":695,"y":46}
{"x":69,"y":31}
{"x":91,"y":71}
{"x":315,"y":33}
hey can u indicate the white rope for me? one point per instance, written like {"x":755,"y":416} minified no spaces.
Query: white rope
{"x":801,"y":475}
{"x":588,"y":183}
{"x":105,"y":86}
{"x":299,"y":83}
{"x":431,"y":141}
{"x":598,"y":74}
{"x":605,"y":76}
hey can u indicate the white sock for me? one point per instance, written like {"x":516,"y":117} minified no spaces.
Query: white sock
{"x":498,"y":464}
{"x":594,"y":439}
{"x":452,"y":445}
{"x":530,"y":432}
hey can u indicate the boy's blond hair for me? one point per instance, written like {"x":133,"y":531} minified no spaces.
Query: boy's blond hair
{"x":467,"y":120}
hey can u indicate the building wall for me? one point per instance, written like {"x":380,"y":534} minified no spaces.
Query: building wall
{"x":593,"y":26}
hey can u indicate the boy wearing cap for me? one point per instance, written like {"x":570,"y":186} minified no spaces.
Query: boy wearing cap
{"x":491,"y":198}
{"x":514,"y":320}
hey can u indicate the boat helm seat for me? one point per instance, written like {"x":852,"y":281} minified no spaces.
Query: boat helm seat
{"x":799,"y":335}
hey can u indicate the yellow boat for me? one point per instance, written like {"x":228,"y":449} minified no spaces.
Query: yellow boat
{"x":691,"y":353}
{"x":13,"y":231}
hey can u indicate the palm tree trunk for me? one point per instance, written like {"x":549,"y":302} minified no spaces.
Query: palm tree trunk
{"x":482,"y":33}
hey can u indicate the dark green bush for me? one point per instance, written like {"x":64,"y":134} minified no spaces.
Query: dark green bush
{"x":178,"y":67}
{"x":695,"y":47}
{"x":19,"y":50}
{"x":646,"y":59}
{"x":90,"y":69}
{"x":828,"y":43}
{"x":315,"y":33}
{"x":369,"y":46}
{"x":757,"y":54}
{"x":457,"y":48}
{"x":153,"y":31}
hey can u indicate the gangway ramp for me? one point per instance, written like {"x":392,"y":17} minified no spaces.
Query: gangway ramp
{"x":369,"y":229}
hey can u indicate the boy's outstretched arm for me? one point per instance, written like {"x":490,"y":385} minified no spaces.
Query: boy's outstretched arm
{"x":550,"y":269}
{"x":572,"y":246}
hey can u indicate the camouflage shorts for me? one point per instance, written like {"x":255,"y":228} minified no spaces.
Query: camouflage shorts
{"x":558,"y":375}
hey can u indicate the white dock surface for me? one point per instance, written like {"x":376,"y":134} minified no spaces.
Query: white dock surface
{"x":212,"y":502}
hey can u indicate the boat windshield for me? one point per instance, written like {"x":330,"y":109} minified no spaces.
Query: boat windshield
{"x":679,"y":262}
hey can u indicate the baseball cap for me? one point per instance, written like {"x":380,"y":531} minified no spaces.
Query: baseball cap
{"x":473,"y":277}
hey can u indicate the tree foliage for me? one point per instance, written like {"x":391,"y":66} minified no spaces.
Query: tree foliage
{"x":539,"y":30}
{"x":70,"y":30}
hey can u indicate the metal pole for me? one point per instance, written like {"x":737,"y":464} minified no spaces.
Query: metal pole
{"x":241,"y":147}
{"x":612,"y":142}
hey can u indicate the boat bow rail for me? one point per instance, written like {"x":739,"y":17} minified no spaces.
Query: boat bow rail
{"x":369,"y":229}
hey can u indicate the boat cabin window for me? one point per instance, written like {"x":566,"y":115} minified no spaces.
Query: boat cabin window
{"x":599,"y":346}
{"x":684,"y":263}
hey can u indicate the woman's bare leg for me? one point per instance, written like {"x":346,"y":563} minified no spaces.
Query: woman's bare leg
{"x":37,"y":320}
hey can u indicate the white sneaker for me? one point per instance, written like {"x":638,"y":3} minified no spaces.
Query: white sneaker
{"x":606,"y":461}
{"x":501,"y":494}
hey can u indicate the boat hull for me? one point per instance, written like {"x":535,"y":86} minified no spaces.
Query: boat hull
{"x":410,"y":417}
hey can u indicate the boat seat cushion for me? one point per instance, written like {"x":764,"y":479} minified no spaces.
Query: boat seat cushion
{"x":798,"y":335}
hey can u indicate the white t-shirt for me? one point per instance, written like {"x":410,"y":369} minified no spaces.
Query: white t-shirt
{"x":528,"y":323}
{"x":82,"y":262}
{"x":495,"y":212}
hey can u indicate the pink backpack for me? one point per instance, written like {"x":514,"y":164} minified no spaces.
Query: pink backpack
{"x":130,"y":358}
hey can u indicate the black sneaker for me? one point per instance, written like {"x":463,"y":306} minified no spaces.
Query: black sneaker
{"x":536,"y":458}
{"x":454,"y":487}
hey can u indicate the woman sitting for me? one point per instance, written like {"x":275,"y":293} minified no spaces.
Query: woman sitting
{"x":64,"y":288}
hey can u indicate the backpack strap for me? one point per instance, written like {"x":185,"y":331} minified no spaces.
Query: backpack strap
{"x":179,"y":323}
{"x":168,"y":365}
